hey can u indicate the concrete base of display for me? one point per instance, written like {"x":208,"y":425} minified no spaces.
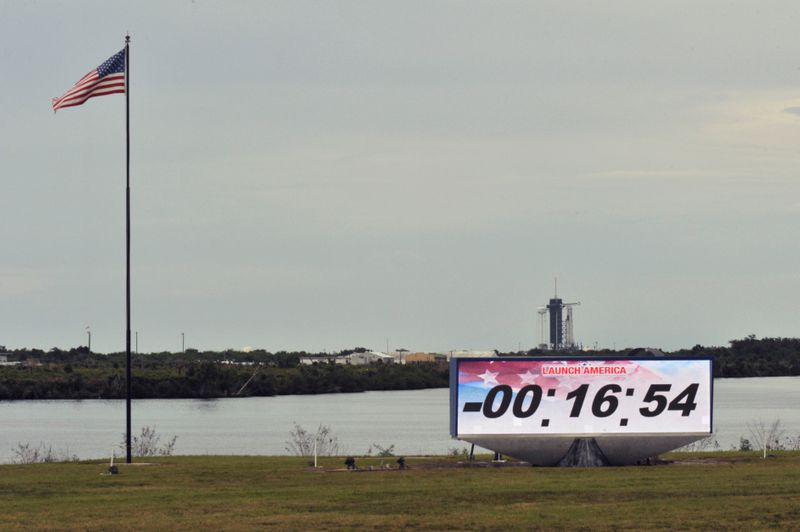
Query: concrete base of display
{"x":584,"y":452}
{"x":628,"y":449}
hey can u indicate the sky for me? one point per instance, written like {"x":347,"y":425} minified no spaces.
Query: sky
{"x":323,"y":175}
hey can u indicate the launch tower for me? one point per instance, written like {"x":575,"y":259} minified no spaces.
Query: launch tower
{"x":562,"y":334}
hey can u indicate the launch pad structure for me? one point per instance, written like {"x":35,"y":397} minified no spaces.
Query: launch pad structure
{"x":562,"y":331}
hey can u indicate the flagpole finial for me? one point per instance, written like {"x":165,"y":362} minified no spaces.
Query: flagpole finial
{"x":127,"y":38}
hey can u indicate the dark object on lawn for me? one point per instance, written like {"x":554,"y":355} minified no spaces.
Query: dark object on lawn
{"x":113,"y":470}
{"x":402,"y":462}
{"x":350,"y":462}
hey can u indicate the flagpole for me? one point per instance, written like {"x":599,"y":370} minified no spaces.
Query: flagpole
{"x":127,"y":252}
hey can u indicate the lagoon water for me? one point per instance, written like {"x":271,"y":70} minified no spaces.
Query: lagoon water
{"x":415,"y":422}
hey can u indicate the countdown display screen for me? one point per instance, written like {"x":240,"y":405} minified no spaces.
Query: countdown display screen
{"x":494,"y":396}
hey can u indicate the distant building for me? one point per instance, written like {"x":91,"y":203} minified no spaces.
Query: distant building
{"x":367,"y":357}
{"x":351,"y":359}
{"x":4,"y":360}
{"x":400,"y":355}
{"x":419,"y":358}
{"x":470,"y":354}
{"x":317,"y":359}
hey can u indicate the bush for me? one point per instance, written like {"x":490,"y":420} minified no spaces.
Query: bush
{"x":25,"y":453}
{"x":381,"y":450}
{"x":706,"y":444}
{"x":147,"y":443}
{"x":462,"y":452}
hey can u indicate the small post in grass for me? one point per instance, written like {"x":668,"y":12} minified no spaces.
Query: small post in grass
{"x":112,"y":469}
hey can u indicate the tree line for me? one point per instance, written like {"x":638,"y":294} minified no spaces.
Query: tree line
{"x":80,"y":374}
{"x":748,"y":357}
{"x":208,"y":379}
{"x":752,"y":357}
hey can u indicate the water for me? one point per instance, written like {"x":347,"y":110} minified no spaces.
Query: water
{"x":738,"y":402}
{"x":415,"y":422}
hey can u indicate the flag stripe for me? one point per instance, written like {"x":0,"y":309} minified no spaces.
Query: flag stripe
{"x":73,"y":103}
{"x":96,"y":85}
{"x":108,"y":78}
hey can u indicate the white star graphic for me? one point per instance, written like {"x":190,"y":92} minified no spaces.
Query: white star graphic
{"x":527,"y":377}
{"x":489,"y":377}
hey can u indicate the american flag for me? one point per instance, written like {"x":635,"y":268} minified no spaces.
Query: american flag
{"x":518,"y":373}
{"x":108,"y":78}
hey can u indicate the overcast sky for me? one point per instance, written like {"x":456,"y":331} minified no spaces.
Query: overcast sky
{"x":323,"y":175}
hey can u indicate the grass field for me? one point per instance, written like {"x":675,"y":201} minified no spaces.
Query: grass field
{"x":706,"y":491}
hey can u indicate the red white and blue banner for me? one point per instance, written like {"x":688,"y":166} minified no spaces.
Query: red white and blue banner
{"x":108,"y":78}
{"x":581,"y":397}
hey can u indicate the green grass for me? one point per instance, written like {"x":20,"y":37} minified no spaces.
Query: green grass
{"x":739,"y":491}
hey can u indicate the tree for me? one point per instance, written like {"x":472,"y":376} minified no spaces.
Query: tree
{"x":302,"y":442}
{"x":766,"y":436}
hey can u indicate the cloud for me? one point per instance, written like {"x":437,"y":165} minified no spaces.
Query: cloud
{"x":792,"y":110}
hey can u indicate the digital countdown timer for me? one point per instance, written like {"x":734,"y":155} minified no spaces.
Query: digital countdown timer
{"x":494,"y":396}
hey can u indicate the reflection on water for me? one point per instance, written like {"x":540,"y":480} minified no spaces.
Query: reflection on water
{"x":415,"y":422}
{"x":205,"y":405}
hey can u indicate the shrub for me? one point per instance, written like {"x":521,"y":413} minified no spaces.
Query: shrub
{"x":458,"y":451}
{"x":25,"y":453}
{"x":381,"y":450}
{"x":706,"y":444}
{"x":147,"y":443}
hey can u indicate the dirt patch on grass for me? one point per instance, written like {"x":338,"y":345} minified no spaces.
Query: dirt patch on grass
{"x":426,"y":464}
{"x":716,"y":460}
{"x":434,"y":463}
